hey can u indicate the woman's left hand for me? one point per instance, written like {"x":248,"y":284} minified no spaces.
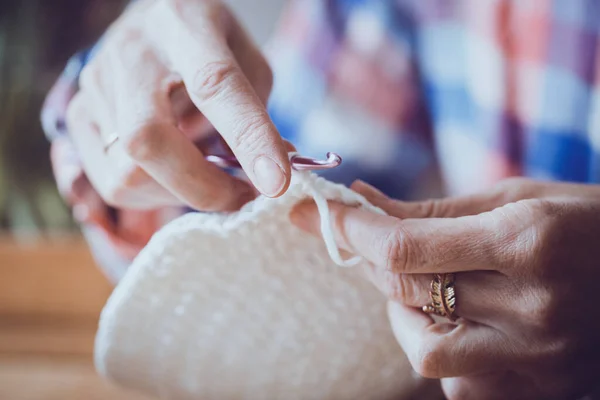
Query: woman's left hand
{"x":527,"y":261}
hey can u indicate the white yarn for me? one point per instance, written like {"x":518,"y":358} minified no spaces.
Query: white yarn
{"x":246,"y":306}
{"x":327,"y":228}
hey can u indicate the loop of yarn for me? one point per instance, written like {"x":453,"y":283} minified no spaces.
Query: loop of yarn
{"x":246,"y":306}
{"x":327,"y":231}
{"x":326,"y":226}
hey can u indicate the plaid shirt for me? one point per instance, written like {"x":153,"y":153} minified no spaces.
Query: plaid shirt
{"x":409,"y":91}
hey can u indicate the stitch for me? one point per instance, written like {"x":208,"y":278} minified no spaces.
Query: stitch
{"x":271,"y":316}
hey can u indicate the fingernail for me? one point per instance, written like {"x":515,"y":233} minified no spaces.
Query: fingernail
{"x":369,"y":192}
{"x":358,"y":184}
{"x":270,"y":178}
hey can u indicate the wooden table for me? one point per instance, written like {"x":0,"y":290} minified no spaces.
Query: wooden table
{"x":51,"y":295}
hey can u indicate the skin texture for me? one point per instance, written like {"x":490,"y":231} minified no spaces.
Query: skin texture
{"x":525,"y":254}
{"x":168,"y":73}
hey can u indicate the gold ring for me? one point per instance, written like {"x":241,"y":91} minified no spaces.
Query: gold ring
{"x":443,"y":297}
{"x":112,"y":139}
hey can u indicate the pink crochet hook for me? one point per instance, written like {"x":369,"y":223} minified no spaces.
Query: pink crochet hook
{"x":299,"y":163}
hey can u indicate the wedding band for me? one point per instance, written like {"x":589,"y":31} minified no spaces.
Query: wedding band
{"x":443,"y":297}
{"x":112,"y":139}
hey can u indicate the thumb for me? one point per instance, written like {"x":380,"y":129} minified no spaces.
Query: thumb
{"x":450,"y":207}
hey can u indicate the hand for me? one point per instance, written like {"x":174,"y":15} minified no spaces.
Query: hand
{"x":526,"y":258}
{"x":166,"y":73}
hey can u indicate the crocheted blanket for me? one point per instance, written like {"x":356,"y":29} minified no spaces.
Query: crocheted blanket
{"x":246,"y":306}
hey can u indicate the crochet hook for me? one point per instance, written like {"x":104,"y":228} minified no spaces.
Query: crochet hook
{"x":298,"y":162}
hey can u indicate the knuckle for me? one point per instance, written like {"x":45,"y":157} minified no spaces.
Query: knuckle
{"x":213,"y":78}
{"x":515,"y":188}
{"x":520,"y":235}
{"x":396,"y":247}
{"x":428,"y":362}
{"x":146,"y":142}
{"x":524,"y":231}
{"x":123,"y":181}
{"x":537,"y":309}
{"x":137,"y":54}
{"x":113,"y":194}
{"x":250,"y":131}
{"x":432,"y":208}
{"x":89,"y":76}
{"x":131,"y":176}
{"x":125,"y":38}
{"x":426,"y":208}
{"x":537,"y":208}
{"x":401,"y":288}
{"x":75,"y":110}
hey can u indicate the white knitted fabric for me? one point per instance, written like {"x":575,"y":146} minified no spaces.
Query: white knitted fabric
{"x":246,"y":306}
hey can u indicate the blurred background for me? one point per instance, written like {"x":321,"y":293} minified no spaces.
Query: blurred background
{"x":36,"y":39}
{"x":51,"y":293}
{"x":50,"y":290}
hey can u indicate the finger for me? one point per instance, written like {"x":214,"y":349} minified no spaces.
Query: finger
{"x":88,"y":142}
{"x":98,"y":89}
{"x":494,"y":386}
{"x":409,"y":289}
{"x":432,"y":208}
{"x":116,"y":185}
{"x":412,"y":245}
{"x":370,"y":192}
{"x":254,"y":66}
{"x":290,"y":148}
{"x":251,"y":61}
{"x":190,"y":121}
{"x":479,"y":297}
{"x":439,"y":350}
{"x":221,"y":91}
{"x":150,"y":136}
{"x":478,"y":294}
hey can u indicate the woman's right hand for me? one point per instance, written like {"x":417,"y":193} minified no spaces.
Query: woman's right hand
{"x":166,"y":75}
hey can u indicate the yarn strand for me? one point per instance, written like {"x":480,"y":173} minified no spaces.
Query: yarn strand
{"x":327,"y":232}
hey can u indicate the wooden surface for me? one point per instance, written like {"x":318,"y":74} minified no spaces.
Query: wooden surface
{"x":51,"y":294}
